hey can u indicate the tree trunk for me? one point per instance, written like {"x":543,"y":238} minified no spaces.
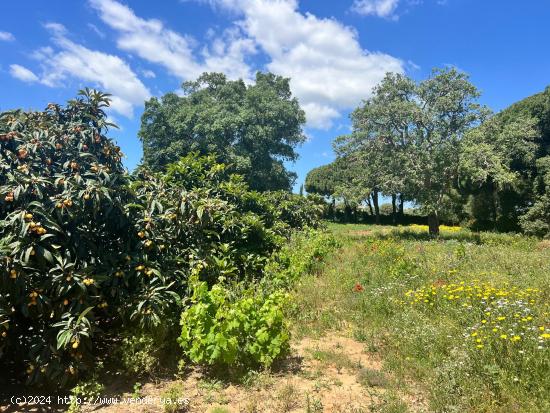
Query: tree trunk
{"x":394,"y":208}
{"x":347,"y":212}
{"x":401,"y":206}
{"x":433,"y":224}
{"x":376,"y":208}
{"x":494,"y":202}
{"x":370,"y":206}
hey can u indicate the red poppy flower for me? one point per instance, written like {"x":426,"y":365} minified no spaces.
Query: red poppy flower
{"x":358,"y":288}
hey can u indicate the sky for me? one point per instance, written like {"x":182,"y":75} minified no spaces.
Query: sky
{"x":335,"y":52}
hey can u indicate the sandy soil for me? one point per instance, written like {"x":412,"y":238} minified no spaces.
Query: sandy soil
{"x":330,"y":374}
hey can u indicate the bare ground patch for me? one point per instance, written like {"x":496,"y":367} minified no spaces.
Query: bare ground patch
{"x":329,"y":374}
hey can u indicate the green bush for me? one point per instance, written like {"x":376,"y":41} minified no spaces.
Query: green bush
{"x":537,"y":220}
{"x":299,"y":257}
{"x":139,"y":353}
{"x":86,"y":392}
{"x":85,"y":247}
{"x":239,"y":325}
{"x":296,"y":211}
{"x":62,"y":224}
{"x":247,"y":330}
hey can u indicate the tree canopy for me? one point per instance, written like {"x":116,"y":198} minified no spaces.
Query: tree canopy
{"x":408,"y":135}
{"x":506,"y":168}
{"x":431,"y":143}
{"x":254,"y":128}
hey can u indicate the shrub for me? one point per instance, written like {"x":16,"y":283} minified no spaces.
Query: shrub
{"x":85,"y":247}
{"x":139,"y":353}
{"x":245,"y":326}
{"x":63,"y":223}
{"x":85,"y":392}
{"x":537,"y":220}
{"x":299,"y":257}
{"x":246,"y":330}
{"x":296,"y":211}
{"x":174,"y":400}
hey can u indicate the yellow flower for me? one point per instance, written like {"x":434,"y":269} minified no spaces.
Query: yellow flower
{"x":516,"y":338}
{"x":545,"y":336}
{"x":541,"y":328}
{"x":503,"y":336}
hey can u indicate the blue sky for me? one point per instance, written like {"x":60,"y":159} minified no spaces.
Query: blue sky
{"x":334,"y":51}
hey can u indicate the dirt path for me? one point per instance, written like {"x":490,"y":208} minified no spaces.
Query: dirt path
{"x":330,"y":374}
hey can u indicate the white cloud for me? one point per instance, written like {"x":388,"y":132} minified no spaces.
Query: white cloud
{"x":318,"y":115}
{"x":6,"y":36}
{"x":330,"y":72}
{"x":152,"y":41}
{"x":96,"y":30}
{"x":380,"y":8}
{"x":329,"y":69}
{"x":228,"y":54}
{"x":69,"y":60}
{"x":56,"y":28}
{"x":23,"y":74}
{"x":149,"y":74}
{"x":413,"y":66}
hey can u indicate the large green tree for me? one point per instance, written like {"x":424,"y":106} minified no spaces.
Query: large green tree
{"x":410,"y":133}
{"x":505,"y":163}
{"x":254,"y":128}
{"x":497,"y":166}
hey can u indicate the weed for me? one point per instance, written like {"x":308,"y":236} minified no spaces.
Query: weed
{"x":287,"y":397}
{"x":174,"y":400}
{"x":313,"y":405}
{"x":219,"y":410}
{"x":335,"y":358}
{"x":136,"y":394}
{"x":371,"y":378}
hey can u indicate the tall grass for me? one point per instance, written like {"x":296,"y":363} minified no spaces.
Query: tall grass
{"x":464,"y":316}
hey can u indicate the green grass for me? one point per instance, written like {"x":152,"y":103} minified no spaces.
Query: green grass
{"x":371,"y":378}
{"x":334,"y":358}
{"x":436,"y":312}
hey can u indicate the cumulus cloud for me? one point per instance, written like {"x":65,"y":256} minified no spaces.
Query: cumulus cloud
{"x":6,"y":36}
{"x":23,"y":74}
{"x":380,"y":8}
{"x":152,"y":41}
{"x":329,"y":69}
{"x":69,"y":60}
